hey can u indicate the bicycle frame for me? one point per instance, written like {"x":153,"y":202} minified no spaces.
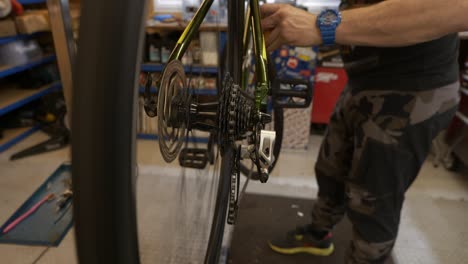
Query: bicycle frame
{"x":253,"y":25}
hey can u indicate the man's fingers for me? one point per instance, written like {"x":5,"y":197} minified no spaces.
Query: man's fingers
{"x":268,"y":9}
{"x":272,"y":36}
{"x":274,"y":45}
{"x":270,"y":22}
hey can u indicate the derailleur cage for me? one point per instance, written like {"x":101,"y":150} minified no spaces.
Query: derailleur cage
{"x":264,"y":143}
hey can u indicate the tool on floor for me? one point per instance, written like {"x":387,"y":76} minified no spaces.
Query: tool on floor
{"x":42,"y":228}
{"x":33,"y":209}
{"x":64,"y":212}
{"x":59,"y":139}
{"x":63,"y":204}
{"x":64,"y":199}
{"x":53,"y":123}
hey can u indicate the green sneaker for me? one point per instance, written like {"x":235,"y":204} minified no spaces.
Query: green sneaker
{"x":304,"y":240}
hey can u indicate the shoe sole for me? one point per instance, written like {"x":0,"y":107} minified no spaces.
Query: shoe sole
{"x":308,"y":250}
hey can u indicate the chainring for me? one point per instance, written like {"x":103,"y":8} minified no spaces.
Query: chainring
{"x":172,"y":99}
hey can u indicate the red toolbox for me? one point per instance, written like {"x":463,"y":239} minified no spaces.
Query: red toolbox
{"x":329,"y":83}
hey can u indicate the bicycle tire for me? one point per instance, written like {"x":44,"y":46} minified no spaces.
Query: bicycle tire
{"x":104,"y":165}
{"x":103,"y":146}
{"x":234,"y":49}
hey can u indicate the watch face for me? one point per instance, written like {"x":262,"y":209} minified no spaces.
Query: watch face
{"x":328,"y":18}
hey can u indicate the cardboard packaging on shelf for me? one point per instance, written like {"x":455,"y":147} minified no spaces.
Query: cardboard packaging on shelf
{"x":7,"y":28}
{"x":33,"y":21}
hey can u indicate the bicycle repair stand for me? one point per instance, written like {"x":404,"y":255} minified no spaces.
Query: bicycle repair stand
{"x":59,"y":138}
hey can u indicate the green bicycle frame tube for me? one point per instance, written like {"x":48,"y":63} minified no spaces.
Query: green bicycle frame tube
{"x":246,"y":42}
{"x":187,"y":36}
{"x":261,"y":57}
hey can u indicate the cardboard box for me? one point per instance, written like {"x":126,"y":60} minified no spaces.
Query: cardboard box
{"x":33,"y":21}
{"x":7,"y":28}
{"x":209,"y":46}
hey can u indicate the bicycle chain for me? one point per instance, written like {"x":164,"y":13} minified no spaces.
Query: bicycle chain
{"x":235,"y":115}
{"x":235,"y":119}
{"x":235,"y":186}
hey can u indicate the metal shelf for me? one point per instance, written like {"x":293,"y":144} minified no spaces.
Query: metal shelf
{"x":195,"y":91}
{"x":12,"y":98}
{"x":30,"y":2}
{"x":13,"y":136}
{"x":157,"y":67}
{"x":9,"y":39}
{"x":155,"y":137}
{"x":205,"y":92}
{"x":12,"y":69}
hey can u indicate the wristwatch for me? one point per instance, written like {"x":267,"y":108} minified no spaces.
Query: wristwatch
{"x":327,"y":22}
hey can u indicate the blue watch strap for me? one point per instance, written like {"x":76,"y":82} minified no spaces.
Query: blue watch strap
{"x":328,"y":35}
{"x":327,"y":22}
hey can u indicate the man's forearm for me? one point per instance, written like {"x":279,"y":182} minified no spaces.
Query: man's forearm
{"x":402,"y":22}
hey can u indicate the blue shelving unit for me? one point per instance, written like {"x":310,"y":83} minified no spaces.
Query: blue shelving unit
{"x":155,"y":137}
{"x":17,"y":138}
{"x":29,"y":2}
{"x":195,"y":91}
{"x":206,"y":92}
{"x":152,"y":67}
{"x":142,"y":89}
{"x":10,"y":70}
{"x":30,"y":95}
{"x":24,"y":97}
{"x":6,"y":40}
{"x":9,"y":39}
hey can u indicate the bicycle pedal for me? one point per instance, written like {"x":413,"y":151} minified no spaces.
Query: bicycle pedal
{"x":193,"y":158}
{"x":292,"y":93}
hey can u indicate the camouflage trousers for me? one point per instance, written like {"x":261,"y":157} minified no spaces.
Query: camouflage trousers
{"x":373,"y":150}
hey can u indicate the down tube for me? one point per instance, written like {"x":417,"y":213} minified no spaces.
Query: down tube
{"x":187,"y":36}
{"x":261,"y":59}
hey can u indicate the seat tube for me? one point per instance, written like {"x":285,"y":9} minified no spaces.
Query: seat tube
{"x":235,"y":47}
{"x":193,"y":26}
{"x":261,"y":57}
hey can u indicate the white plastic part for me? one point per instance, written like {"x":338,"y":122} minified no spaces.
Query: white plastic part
{"x":267,"y":142}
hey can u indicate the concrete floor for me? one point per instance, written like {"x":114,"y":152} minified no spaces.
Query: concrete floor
{"x":433,"y":228}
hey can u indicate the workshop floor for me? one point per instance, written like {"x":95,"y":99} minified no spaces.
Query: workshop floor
{"x":433,"y":227}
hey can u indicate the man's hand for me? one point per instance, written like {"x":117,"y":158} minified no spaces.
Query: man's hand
{"x":289,"y":25}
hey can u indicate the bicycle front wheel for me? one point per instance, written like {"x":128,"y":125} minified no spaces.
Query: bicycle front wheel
{"x":104,"y":145}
